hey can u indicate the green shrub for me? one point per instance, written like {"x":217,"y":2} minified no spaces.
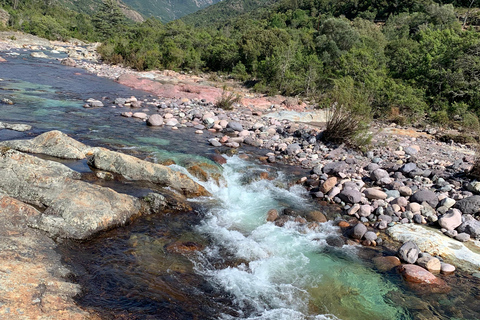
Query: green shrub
{"x":227,"y":100}
{"x":349,"y":117}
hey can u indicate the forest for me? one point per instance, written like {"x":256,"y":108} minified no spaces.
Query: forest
{"x":404,"y":61}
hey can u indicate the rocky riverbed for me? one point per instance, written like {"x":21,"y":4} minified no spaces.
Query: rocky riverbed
{"x":411,"y":185}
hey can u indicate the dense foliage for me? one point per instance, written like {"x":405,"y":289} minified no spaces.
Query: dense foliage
{"x":411,"y":60}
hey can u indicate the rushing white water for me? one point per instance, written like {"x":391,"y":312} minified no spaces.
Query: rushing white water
{"x":284,"y":272}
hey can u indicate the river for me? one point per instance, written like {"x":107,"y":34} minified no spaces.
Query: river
{"x":240,"y":266}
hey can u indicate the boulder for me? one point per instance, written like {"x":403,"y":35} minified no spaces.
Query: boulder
{"x":155,"y":120}
{"x":417,"y":274}
{"x":53,"y":143}
{"x":328,"y":184}
{"x":379,"y":174}
{"x":136,"y":169}
{"x":335,"y":168}
{"x":425,"y":195}
{"x":73,"y":209}
{"x":272,"y":215}
{"x":408,"y":252}
{"x":359,"y":231}
{"x":69,"y":62}
{"x":471,"y":227}
{"x":386,"y":263}
{"x":469,"y":205}
{"x":350,"y":195}
{"x":235,"y":126}
{"x":374,"y":194}
{"x":317,"y":216}
{"x":430,"y":263}
{"x":451,"y":220}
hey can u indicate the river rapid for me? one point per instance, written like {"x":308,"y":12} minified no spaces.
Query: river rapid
{"x":235,"y":265}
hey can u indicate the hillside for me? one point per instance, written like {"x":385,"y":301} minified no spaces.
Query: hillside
{"x":168,"y":10}
{"x":91,"y":6}
{"x":223,"y":11}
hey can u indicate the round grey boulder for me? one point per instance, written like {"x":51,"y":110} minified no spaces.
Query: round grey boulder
{"x":155,"y":120}
{"x":408,"y":252}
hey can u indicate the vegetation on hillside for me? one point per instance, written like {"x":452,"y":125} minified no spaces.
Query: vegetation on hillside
{"x":407,"y":60}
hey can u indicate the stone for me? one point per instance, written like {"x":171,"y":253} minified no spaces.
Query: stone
{"x":474,"y":187}
{"x":408,"y":252}
{"x":374,"y":194}
{"x":272,"y":215}
{"x":405,"y":191}
{"x":379,"y":174}
{"x":358,"y":231}
{"x":370,"y":236}
{"x":135,"y":169}
{"x":425,"y":195}
{"x":53,"y":143}
{"x":462,"y":237}
{"x":155,"y":120}
{"x":365,"y":210}
{"x":171,"y":122}
{"x":447,"y":202}
{"x":328,"y":184}
{"x":69,"y":62}
{"x":451,"y":220}
{"x":4,"y":18}
{"x":414,"y":207}
{"x":95,"y":103}
{"x":417,"y":274}
{"x":469,"y":205}
{"x":411,"y":151}
{"x":408,"y":167}
{"x":401,"y":201}
{"x":447,"y":268}
{"x":235,"y":125}
{"x":317,"y":216}
{"x":471,"y":227}
{"x":335,"y":168}
{"x":430,"y":263}
{"x":140,"y":115}
{"x":350,"y":196}
{"x":418,"y":218}
{"x":344,"y":224}
{"x":215,"y":142}
{"x":387,"y":263}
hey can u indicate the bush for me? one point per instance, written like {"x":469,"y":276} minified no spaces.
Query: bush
{"x":349,"y":117}
{"x":227,"y":100}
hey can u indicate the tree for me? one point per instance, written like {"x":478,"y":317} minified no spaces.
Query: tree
{"x":109,"y":19}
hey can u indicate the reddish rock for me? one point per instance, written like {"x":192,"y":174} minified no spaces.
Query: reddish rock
{"x":184,"y":247}
{"x":272,"y":215}
{"x":386,"y":263}
{"x":219,"y":159}
{"x":344,"y":224}
{"x":328,"y":184}
{"x":300,"y":220}
{"x":422,"y":280}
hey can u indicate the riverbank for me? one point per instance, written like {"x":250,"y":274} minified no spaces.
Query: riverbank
{"x":408,"y":178}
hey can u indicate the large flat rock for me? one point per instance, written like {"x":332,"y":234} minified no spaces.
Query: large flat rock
{"x":136,"y":169}
{"x":73,"y":208}
{"x":32,"y":280}
{"x":53,"y":143}
{"x":434,"y":242}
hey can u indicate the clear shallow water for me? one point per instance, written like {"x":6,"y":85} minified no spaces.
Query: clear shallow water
{"x":242,"y":267}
